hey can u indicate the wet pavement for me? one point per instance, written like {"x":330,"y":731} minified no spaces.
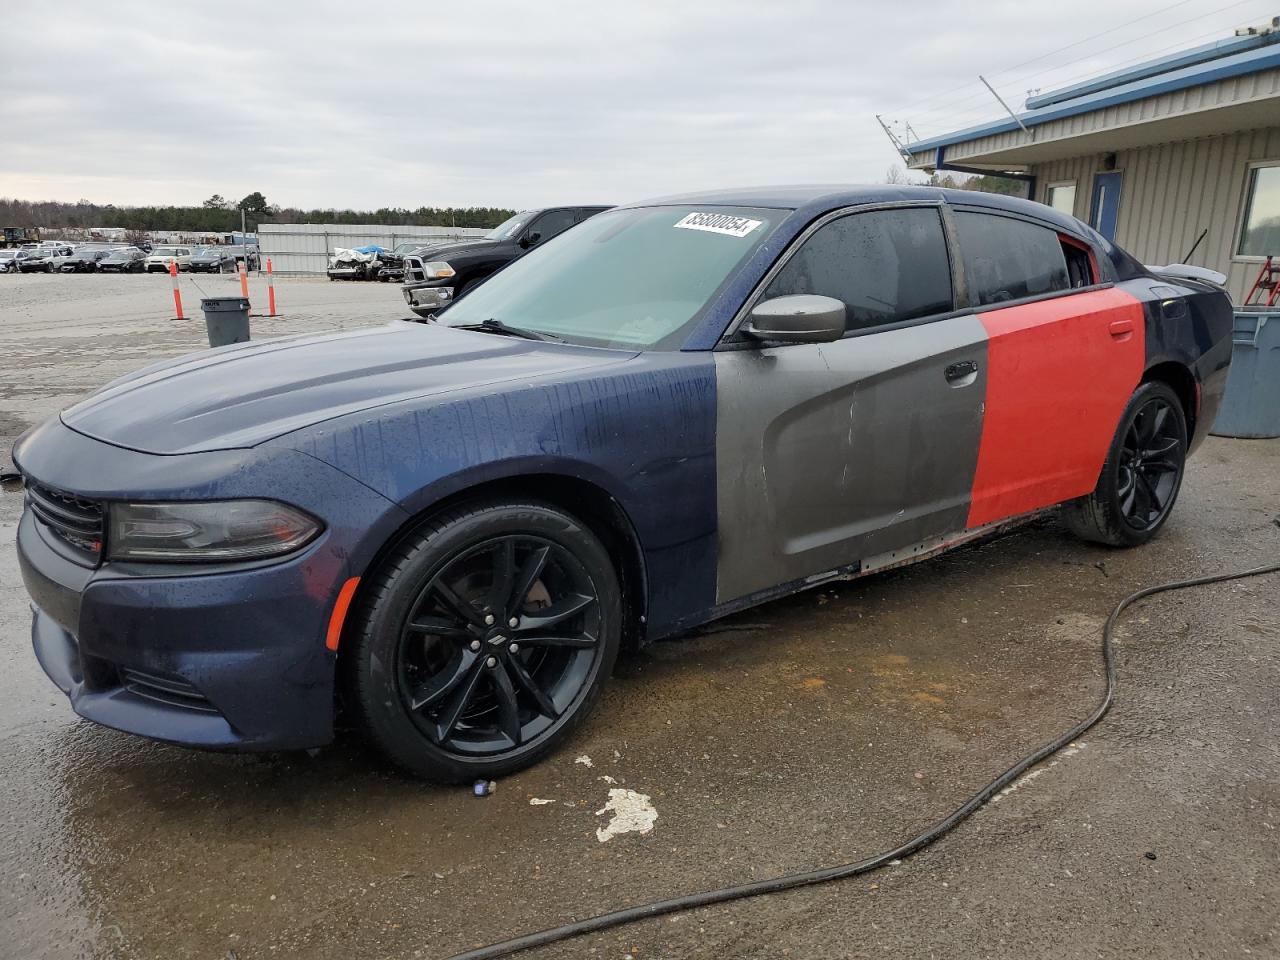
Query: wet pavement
{"x":817,"y":729}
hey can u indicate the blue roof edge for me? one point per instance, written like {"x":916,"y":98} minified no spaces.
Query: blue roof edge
{"x":1249,"y":61}
{"x":1152,"y":68}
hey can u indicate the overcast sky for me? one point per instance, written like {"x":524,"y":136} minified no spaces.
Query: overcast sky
{"x":367,"y":105}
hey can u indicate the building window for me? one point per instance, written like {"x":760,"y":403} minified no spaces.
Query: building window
{"x":1062,"y":197}
{"x":1260,"y":226}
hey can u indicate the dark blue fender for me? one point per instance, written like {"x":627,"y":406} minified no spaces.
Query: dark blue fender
{"x":642,"y":431}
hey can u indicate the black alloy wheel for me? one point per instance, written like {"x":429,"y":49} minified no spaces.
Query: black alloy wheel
{"x":1150,"y":464}
{"x":483,"y":640}
{"x":497,"y":645}
{"x":1142,"y":474}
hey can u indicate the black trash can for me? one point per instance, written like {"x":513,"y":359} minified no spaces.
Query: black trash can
{"x":227,"y":319}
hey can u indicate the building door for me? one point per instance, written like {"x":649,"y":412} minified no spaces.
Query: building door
{"x":1105,"y":211}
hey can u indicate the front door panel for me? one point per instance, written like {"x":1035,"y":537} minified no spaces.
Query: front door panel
{"x":1059,"y":373}
{"x":830,"y":453}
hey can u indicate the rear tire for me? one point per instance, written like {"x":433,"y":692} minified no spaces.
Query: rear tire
{"x":1142,"y":474}
{"x":470,"y":695}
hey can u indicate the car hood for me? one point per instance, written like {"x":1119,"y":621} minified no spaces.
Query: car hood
{"x":246,"y":394}
{"x":438,"y":251}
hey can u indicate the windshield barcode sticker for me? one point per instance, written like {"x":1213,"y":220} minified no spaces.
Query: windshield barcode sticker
{"x":719,"y":223}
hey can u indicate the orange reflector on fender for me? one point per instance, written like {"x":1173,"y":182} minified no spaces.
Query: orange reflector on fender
{"x":340,"y":613}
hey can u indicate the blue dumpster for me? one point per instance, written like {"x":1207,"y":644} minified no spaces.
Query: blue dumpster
{"x":1251,"y":404}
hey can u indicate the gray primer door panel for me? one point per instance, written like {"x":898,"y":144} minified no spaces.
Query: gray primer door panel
{"x":829,"y":453}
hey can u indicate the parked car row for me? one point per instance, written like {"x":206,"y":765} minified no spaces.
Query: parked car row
{"x":47,"y":257}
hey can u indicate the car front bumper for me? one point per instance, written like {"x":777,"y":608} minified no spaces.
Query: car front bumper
{"x":218,"y":656}
{"x":425,"y":298}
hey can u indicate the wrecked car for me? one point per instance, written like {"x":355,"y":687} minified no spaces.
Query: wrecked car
{"x":361,"y":263}
{"x":123,"y":260}
{"x":393,"y":260}
{"x":674,"y":411}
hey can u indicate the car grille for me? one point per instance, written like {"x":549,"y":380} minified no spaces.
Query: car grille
{"x":413,"y":270}
{"x":173,"y":691}
{"x":74,"y":520}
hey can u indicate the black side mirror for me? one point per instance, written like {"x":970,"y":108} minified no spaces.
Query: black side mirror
{"x":798,"y":318}
{"x":530,"y":239}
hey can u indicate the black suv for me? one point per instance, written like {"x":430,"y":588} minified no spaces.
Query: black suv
{"x":440,"y":273}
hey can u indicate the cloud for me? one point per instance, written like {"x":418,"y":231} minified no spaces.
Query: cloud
{"x":328,"y":104}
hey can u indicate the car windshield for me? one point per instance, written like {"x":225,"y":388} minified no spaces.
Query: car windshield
{"x":632,"y":278}
{"x":164,"y":252}
{"x":403,"y":248}
{"x":509,"y":228}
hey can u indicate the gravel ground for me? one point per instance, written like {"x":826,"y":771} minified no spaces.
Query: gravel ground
{"x":816,"y":729}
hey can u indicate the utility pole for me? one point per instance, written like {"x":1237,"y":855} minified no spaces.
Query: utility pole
{"x":244,"y":237}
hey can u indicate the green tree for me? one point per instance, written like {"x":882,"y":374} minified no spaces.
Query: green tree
{"x":254,"y":203}
{"x":216,"y":202}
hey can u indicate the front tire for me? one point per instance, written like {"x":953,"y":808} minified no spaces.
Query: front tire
{"x":483,"y":640}
{"x":1142,"y":474}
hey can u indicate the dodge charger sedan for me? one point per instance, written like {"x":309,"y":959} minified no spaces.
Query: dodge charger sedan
{"x":676,"y":410}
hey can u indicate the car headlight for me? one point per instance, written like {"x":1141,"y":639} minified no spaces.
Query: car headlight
{"x":437,"y":270}
{"x":212,"y":530}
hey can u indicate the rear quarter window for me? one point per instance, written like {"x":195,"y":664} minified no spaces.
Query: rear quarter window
{"x":1008,"y":259}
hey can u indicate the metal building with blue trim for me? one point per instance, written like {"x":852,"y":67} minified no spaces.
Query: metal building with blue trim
{"x":1175,"y":155}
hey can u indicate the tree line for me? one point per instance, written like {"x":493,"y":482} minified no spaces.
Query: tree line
{"x":218,"y":215}
{"x":959,"y":181}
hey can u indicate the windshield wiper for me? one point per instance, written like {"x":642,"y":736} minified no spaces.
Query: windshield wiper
{"x":497,"y":326}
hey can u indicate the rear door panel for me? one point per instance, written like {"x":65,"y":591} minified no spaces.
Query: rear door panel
{"x":1059,"y":373}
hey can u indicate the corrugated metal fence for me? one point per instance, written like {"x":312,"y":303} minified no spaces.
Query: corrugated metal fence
{"x":304,"y":248}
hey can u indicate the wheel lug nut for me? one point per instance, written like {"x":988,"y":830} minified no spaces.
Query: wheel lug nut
{"x":513,"y":622}
{"x":514,"y":648}
{"x":475,"y":645}
{"x":488,"y":619}
{"x":491,"y":662}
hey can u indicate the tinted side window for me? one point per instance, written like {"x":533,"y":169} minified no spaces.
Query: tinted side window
{"x":549,"y":224}
{"x":886,"y":265}
{"x":1007,"y":259}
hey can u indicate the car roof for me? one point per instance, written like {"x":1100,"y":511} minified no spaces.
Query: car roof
{"x":817,"y":199}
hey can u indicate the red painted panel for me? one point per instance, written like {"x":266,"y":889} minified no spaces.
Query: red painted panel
{"x":1059,"y":373}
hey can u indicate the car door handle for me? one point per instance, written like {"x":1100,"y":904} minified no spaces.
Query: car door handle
{"x":961,"y":373}
{"x":1121,"y":329}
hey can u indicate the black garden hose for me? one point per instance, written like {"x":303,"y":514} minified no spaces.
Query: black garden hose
{"x":917,"y":843}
